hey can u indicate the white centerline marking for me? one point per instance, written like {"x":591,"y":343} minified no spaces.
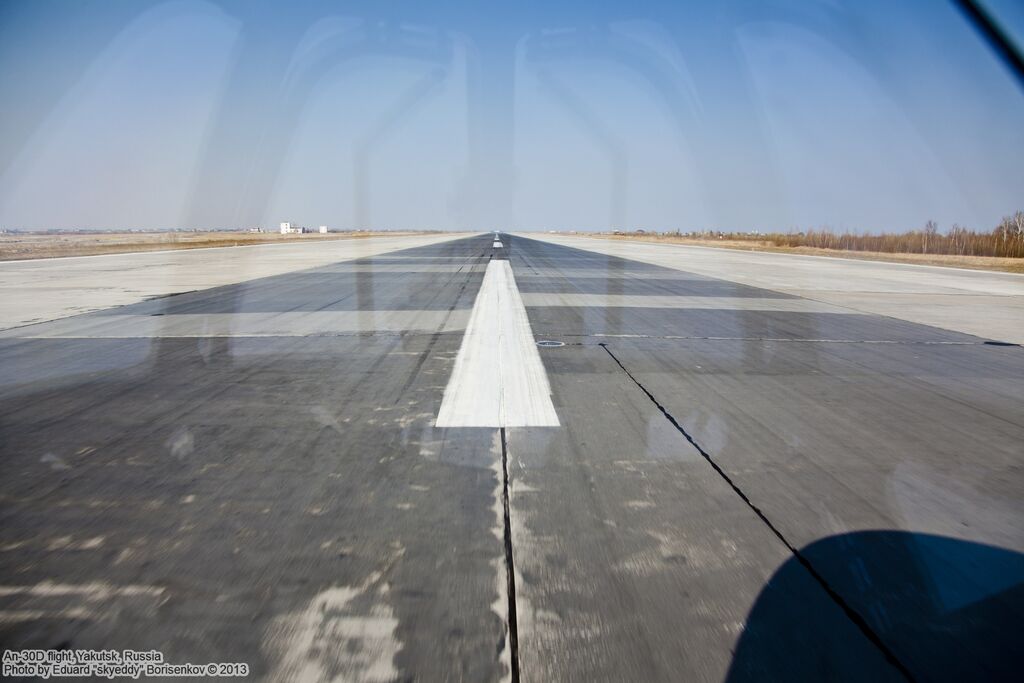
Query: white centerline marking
{"x":496,"y":245}
{"x":498,"y":379}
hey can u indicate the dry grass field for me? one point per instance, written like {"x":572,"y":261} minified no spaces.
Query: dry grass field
{"x":15,"y":246}
{"x":996,"y":263}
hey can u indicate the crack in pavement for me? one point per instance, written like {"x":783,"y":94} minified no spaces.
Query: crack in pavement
{"x":510,"y":567}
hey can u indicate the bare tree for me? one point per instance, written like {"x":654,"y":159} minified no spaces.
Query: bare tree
{"x":931,"y":230}
{"x":1009,"y":227}
{"x":958,"y":235}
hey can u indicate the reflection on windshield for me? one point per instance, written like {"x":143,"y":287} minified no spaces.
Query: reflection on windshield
{"x":452,"y":433}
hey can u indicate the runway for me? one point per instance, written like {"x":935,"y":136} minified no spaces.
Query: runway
{"x":498,"y":457}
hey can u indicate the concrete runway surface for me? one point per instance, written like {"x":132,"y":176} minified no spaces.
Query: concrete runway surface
{"x":496,"y":457}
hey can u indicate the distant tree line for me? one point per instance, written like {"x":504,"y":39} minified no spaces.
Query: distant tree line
{"x":1006,"y":240}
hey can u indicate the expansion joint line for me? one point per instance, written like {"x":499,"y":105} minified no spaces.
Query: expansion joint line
{"x":859,"y":621}
{"x":510,"y":567}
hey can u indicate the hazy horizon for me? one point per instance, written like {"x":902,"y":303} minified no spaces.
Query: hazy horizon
{"x":740,"y":116}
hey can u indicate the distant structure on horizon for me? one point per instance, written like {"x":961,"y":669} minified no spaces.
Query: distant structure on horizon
{"x":293,"y":229}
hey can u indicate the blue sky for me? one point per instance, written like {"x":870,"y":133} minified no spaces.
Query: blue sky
{"x":748,"y":115}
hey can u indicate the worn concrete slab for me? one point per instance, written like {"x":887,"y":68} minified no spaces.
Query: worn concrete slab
{"x":981,"y":303}
{"x":46,"y":289}
{"x":882,"y":456}
{"x":283,"y":501}
{"x":634,"y":560}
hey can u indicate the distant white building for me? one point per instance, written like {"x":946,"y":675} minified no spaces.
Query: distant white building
{"x":323,"y":229}
{"x":292,"y":229}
